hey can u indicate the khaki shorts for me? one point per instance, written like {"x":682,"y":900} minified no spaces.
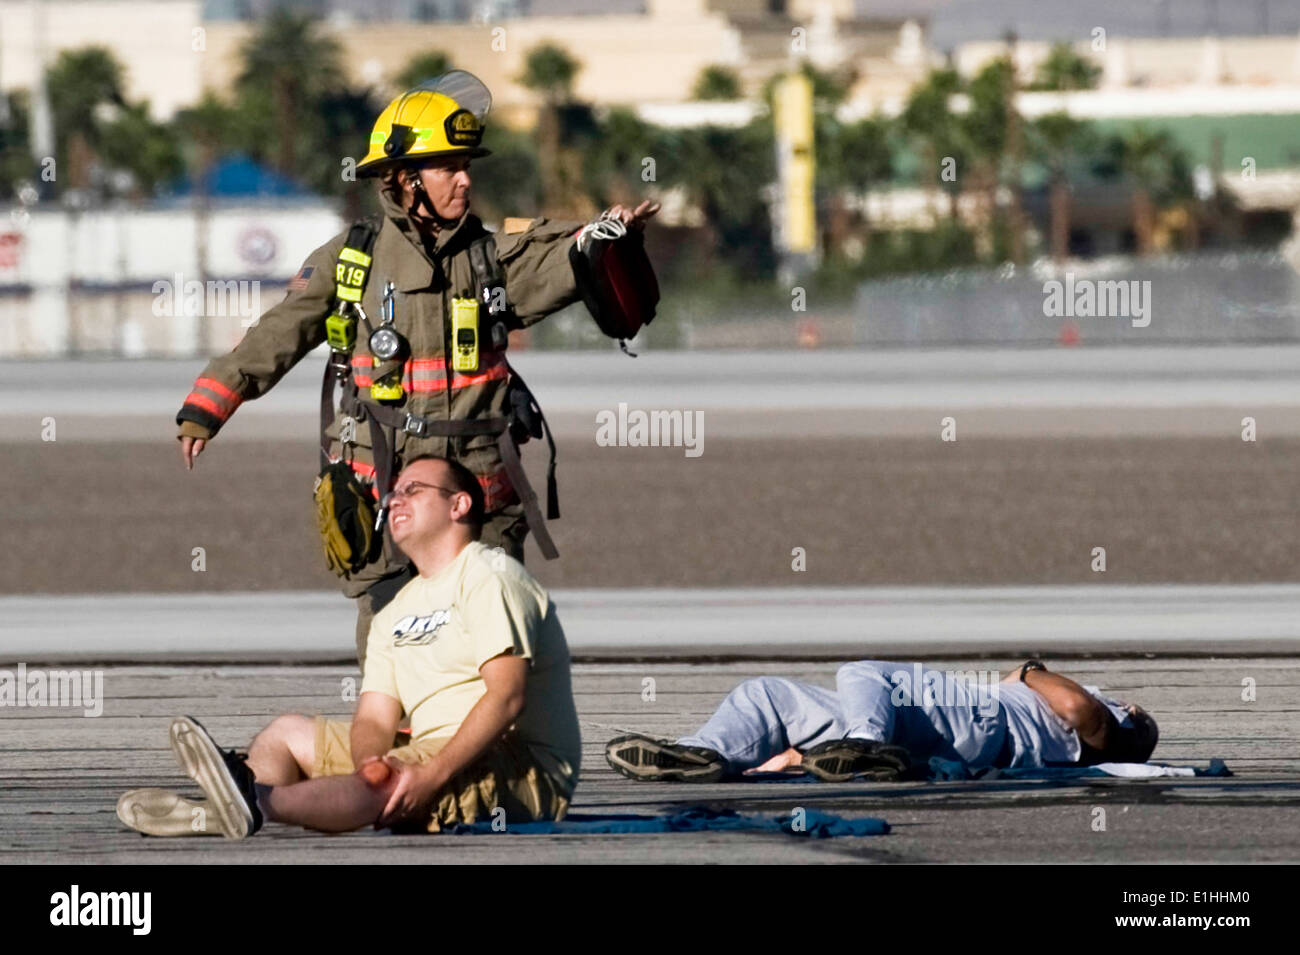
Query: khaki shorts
{"x":506,"y":777}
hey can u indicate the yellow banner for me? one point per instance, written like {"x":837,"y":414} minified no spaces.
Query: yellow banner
{"x":793,"y":118}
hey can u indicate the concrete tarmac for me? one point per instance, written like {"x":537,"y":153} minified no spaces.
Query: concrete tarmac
{"x":62,"y":773}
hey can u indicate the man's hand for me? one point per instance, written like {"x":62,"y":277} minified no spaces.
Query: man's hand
{"x":779,"y":763}
{"x":638,"y":217}
{"x":191,"y":448}
{"x":504,"y":677}
{"x":374,"y":770}
{"x":416,"y":786}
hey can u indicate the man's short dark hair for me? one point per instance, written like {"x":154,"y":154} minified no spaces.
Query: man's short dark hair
{"x":1134,"y":740}
{"x":461,"y":479}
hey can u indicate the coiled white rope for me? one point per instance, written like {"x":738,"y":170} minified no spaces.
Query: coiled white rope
{"x":608,"y":226}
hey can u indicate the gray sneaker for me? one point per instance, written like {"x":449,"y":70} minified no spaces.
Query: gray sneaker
{"x":843,"y":759}
{"x":643,"y":758}
{"x":161,"y":812}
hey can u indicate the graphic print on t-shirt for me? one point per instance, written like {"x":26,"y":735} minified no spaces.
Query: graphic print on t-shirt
{"x":419,"y":631}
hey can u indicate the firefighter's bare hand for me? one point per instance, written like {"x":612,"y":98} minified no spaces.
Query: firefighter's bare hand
{"x":191,"y":448}
{"x":638,"y":217}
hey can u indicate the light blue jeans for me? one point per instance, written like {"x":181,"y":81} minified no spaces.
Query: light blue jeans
{"x":935,"y":715}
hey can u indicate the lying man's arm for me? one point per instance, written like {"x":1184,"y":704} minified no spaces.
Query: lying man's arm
{"x":373,"y":727}
{"x":504,"y":676}
{"x":1080,"y":710}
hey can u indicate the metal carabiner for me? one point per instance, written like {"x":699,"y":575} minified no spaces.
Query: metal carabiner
{"x":390,"y":291}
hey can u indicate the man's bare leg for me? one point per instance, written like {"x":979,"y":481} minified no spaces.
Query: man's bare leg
{"x":281,"y":758}
{"x":284,"y":752}
{"x":327,"y":804}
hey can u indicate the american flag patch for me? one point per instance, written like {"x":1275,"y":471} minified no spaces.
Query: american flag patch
{"x":299,"y":282}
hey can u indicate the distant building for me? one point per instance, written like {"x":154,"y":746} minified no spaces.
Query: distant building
{"x":956,"y":23}
{"x":159,"y":42}
{"x":1154,"y":43}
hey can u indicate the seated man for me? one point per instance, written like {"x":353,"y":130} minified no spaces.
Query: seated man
{"x":471,"y":650}
{"x":883,"y":717}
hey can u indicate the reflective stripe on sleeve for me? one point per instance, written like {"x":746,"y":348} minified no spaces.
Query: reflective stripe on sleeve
{"x":213,"y":397}
{"x":207,"y":404}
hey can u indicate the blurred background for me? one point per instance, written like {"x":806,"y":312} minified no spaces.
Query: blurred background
{"x":864,"y":203}
{"x":959,"y":151}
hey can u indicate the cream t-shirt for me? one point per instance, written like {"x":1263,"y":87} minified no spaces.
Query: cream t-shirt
{"x":425,"y":649}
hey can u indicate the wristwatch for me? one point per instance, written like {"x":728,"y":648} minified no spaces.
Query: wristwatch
{"x":1031,"y":665}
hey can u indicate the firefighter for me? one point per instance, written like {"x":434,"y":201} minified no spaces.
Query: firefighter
{"x":416,"y":305}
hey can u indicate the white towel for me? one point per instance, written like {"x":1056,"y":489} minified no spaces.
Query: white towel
{"x":1143,"y":770}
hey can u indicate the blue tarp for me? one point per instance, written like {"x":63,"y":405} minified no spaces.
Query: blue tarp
{"x":813,"y":824}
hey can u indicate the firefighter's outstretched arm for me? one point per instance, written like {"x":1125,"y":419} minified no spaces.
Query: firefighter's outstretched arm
{"x":535,"y":256}
{"x":281,"y":337}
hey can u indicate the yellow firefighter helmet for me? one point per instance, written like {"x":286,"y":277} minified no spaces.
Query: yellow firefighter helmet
{"x":440,"y":117}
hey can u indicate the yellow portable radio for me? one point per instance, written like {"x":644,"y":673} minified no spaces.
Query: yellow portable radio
{"x":341,"y":329}
{"x":464,"y":334}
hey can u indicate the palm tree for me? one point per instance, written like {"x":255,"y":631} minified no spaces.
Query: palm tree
{"x":1054,"y":138}
{"x":205,"y":125}
{"x":929,"y":121}
{"x":716,"y":83}
{"x":15,"y":143}
{"x":613,"y":161}
{"x":81,"y":83}
{"x":149,"y":151}
{"x":549,"y":71}
{"x":992,"y":128}
{"x":853,"y":157}
{"x":718,"y":168}
{"x":1158,"y":168}
{"x":1064,"y":70}
{"x":1057,"y":135}
{"x":287,"y":66}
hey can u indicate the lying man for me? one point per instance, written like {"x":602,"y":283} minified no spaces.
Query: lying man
{"x":884,"y":718}
{"x":471,"y":650}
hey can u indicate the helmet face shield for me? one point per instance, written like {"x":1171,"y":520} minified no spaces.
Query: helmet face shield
{"x":465,"y":88}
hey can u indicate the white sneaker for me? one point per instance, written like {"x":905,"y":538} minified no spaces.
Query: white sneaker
{"x":222,"y":774}
{"x":161,"y":812}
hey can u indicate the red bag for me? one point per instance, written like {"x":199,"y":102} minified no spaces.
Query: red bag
{"x":615,"y":278}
